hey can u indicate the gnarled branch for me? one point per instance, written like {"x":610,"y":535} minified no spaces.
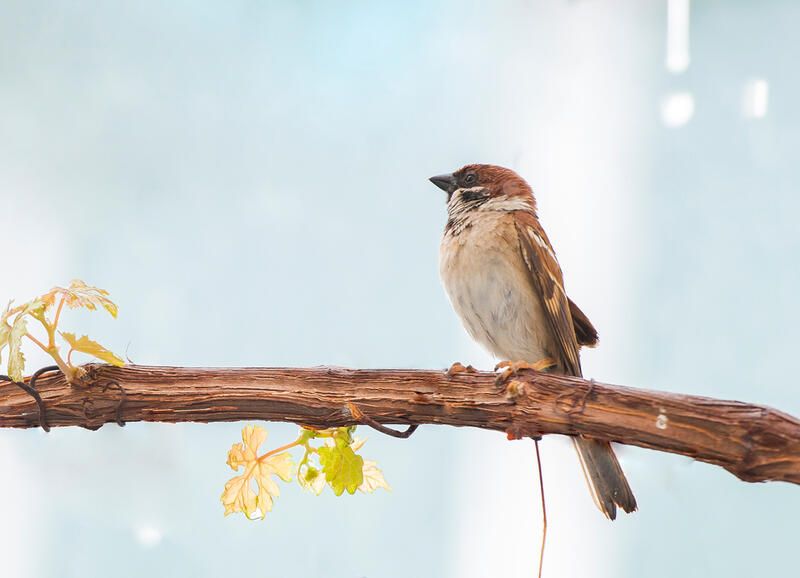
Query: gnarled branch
{"x":755,"y":443}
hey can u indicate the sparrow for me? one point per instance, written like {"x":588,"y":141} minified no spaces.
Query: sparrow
{"x":504,"y":282}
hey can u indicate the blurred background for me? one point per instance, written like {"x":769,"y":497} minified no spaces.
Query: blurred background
{"x":249,"y":180}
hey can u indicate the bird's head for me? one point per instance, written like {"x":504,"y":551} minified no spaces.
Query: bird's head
{"x":485,"y":187}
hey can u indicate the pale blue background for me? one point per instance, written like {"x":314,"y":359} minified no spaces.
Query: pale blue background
{"x":248,"y":179}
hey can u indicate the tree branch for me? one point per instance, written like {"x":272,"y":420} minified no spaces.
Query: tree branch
{"x":753,"y":442}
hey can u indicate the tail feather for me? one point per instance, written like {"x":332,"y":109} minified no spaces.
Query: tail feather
{"x":605,"y":477}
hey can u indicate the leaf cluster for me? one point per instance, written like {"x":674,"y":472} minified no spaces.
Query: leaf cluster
{"x":14,"y":328}
{"x":335,"y":463}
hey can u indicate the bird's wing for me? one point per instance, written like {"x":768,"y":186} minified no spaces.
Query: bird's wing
{"x":584,"y":330}
{"x":547,"y":281}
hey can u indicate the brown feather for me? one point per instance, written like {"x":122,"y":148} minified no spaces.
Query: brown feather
{"x":584,"y":330}
{"x":547,"y":280}
{"x":605,"y":477}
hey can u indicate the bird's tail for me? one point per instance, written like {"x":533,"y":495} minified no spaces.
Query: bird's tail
{"x":605,"y":477}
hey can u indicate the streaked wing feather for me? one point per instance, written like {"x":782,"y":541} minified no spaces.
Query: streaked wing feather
{"x":584,"y":330}
{"x":547,"y":280}
{"x":600,"y":465}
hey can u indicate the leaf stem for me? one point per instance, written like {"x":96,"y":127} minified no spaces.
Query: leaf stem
{"x":37,"y":342}
{"x":66,"y":368}
{"x":58,"y":313}
{"x":295,"y":443}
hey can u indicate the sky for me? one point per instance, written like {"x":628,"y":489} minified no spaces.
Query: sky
{"x":249,"y":181}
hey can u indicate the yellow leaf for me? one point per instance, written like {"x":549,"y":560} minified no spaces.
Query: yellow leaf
{"x":16,"y":360}
{"x":7,"y":313}
{"x":373,"y":478}
{"x":5,"y":331}
{"x":36,"y":308}
{"x":236,"y":456}
{"x":86,"y":345}
{"x":239,"y":494}
{"x":79,"y":294}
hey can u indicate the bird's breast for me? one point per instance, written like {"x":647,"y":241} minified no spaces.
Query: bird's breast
{"x":488,"y":284}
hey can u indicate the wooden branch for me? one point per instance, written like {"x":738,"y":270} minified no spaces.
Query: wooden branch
{"x":755,"y":443}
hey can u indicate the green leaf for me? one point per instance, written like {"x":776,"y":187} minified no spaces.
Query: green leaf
{"x":343,"y":469}
{"x":86,"y":345}
{"x":16,"y":360}
{"x":311,"y":479}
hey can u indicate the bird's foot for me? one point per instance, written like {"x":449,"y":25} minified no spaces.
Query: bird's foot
{"x":512,"y":368}
{"x":457,"y":368}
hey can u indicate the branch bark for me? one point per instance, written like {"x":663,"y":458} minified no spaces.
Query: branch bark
{"x":755,"y":443}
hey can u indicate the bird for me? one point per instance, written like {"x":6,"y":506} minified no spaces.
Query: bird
{"x":504,"y":281}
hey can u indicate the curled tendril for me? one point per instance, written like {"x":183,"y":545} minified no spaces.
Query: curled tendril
{"x":366,"y":420}
{"x":122,"y":399}
{"x":30,"y":389}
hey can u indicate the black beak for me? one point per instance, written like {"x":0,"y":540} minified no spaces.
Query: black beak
{"x":445,"y":182}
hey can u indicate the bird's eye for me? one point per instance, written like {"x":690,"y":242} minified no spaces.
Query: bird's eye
{"x":470,"y":179}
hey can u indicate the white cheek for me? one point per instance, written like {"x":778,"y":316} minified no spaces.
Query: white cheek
{"x":457,"y":197}
{"x":506,"y":204}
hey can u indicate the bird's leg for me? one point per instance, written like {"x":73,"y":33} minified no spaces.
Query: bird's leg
{"x":512,"y":368}
{"x":457,"y":368}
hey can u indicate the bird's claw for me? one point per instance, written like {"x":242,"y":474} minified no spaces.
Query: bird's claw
{"x":457,"y":368}
{"x":512,"y":368}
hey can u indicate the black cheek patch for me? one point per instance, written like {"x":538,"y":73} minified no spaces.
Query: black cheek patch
{"x":470,"y":196}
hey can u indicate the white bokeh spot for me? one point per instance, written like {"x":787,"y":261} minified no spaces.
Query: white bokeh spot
{"x":148,"y":535}
{"x":677,"y":109}
{"x":755,"y":98}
